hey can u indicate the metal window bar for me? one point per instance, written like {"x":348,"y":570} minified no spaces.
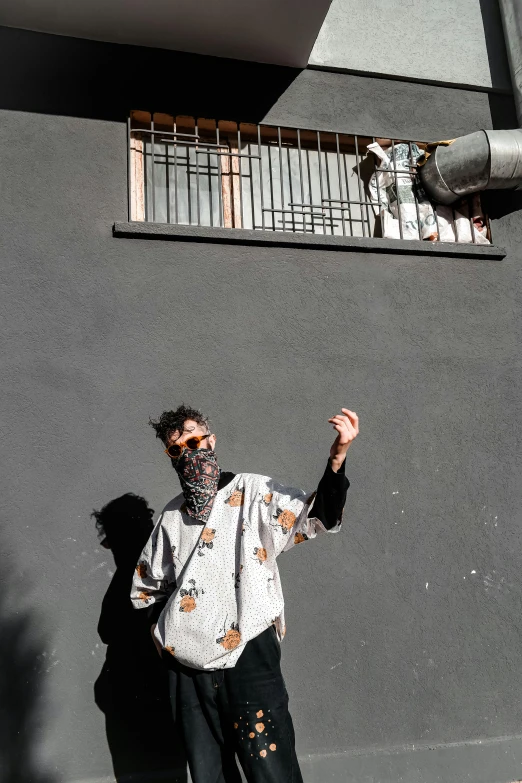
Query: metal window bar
{"x":220,"y":177}
{"x":198,"y":205}
{"x":320,"y":175}
{"x":346,"y":180}
{"x":252,"y":194}
{"x":175,"y":176}
{"x":397,"y":192}
{"x":377,"y":185}
{"x":300,"y":158}
{"x":328,"y":201}
{"x":261,"y":190}
{"x":281,"y":180}
{"x":471,"y":218}
{"x":267,"y":209}
{"x":338,"y":155}
{"x":240,"y":164}
{"x":289,"y":163}
{"x":356,"y":139}
{"x":295,"y":180}
{"x":152,"y":169}
{"x":308,"y":169}
{"x":412,"y":164}
{"x":167,"y":183}
{"x":209,"y":183}
{"x":437,"y":222}
{"x":129,"y":172}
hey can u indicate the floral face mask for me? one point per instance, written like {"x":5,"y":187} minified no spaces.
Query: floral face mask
{"x":198,"y":473}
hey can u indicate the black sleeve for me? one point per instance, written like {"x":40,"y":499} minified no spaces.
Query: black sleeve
{"x":331,"y":496}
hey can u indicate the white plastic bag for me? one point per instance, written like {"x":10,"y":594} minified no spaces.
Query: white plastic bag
{"x":396,"y":194}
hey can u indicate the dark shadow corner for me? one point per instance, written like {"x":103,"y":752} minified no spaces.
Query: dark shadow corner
{"x":495,"y":44}
{"x":23,"y":664}
{"x":132,"y":689}
{"x":502,"y":110}
{"x":499,"y":203}
{"x":52,"y":74}
{"x":501,"y":106}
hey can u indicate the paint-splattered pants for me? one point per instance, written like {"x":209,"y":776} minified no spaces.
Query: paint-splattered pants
{"x":241,"y":711}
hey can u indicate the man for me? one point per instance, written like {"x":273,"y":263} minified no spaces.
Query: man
{"x":209,"y":577}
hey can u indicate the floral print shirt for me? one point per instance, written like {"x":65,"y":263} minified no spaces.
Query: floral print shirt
{"x":219,"y":582}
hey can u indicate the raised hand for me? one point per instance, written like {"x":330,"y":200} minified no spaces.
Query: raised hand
{"x":347,"y":425}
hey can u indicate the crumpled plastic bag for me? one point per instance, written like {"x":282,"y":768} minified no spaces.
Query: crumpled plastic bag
{"x":397,"y":196}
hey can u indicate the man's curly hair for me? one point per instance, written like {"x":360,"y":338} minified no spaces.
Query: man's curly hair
{"x":172,"y":421}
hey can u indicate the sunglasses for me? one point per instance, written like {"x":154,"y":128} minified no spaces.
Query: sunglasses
{"x":192,"y":443}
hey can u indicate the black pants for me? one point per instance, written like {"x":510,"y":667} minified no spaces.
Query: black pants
{"x":243,"y":710}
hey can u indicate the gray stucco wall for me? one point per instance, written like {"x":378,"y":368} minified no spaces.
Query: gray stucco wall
{"x":404,"y":631}
{"x":439,"y":40}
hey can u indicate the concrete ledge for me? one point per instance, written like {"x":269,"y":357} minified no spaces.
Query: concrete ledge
{"x":235,"y":236}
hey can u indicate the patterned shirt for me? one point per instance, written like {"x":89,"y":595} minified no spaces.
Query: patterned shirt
{"x":219,"y":582}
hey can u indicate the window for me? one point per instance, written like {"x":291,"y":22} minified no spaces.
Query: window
{"x":201,"y":172}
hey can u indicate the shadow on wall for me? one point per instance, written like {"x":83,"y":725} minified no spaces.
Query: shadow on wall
{"x":499,"y":203}
{"x":81,"y":78}
{"x":495,"y":44}
{"x":22,"y":678}
{"x":503,"y":113}
{"x":132,"y":689}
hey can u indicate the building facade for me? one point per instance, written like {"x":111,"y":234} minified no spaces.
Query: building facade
{"x":402,"y":657}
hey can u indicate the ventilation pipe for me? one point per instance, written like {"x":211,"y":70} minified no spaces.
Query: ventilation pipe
{"x":486,"y":159}
{"x":511,"y":11}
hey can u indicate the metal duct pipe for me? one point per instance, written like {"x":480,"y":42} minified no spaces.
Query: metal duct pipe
{"x":511,"y":11}
{"x":484,"y":160}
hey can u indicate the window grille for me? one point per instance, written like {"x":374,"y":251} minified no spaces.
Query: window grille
{"x":200,"y":172}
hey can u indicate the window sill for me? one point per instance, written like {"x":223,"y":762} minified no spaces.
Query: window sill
{"x":243,"y":236}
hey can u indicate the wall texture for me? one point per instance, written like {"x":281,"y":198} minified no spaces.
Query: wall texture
{"x":441,"y":41}
{"x":404,"y":631}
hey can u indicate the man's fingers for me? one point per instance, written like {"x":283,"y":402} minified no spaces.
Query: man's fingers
{"x":346,"y":424}
{"x":339,"y":419}
{"x":344,"y":428}
{"x":354,"y":419}
{"x":340,"y":424}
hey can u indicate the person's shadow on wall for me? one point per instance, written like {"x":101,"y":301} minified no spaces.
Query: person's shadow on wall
{"x":132,"y":689}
